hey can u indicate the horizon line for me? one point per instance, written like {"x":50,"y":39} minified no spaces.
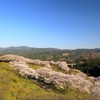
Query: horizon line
{"x":48,"y":47}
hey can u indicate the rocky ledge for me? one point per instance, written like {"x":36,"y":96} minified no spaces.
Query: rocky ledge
{"x":60,"y":80}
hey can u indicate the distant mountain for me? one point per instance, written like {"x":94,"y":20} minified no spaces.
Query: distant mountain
{"x":26,"y":47}
{"x":19,"y":47}
{"x":16,"y":47}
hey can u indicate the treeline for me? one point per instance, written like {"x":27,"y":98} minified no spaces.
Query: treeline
{"x":88,"y":60}
{"x":91,"y":67}
{"x":70,"y":56}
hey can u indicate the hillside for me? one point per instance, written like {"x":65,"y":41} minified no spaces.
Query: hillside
{"x":27,"y":79}
{"x":54,"y":54}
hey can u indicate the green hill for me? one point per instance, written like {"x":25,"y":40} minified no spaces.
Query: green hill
{"x":15,"y":87}
{"x":54,"y":54}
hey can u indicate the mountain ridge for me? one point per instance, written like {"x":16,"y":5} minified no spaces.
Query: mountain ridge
{"x":27,"y":47}
{"x":49,"y":53}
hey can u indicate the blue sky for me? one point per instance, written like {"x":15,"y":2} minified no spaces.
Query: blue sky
{"x":64,"y":24}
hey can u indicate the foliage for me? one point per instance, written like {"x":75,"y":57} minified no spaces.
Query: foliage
{"x":73,"y":72}
{"x":15,"y":87}
{"x":77,"y":55}
{"x":57,"y":69}
{"x":34,"y":66}
{"x":91,"y":67}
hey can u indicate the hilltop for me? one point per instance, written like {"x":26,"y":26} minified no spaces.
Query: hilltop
{"x":50,"y":77}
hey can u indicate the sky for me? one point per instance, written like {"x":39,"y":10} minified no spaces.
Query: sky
{"x":63,"y":24}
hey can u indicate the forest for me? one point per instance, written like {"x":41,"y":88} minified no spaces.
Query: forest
{"x":87,"y":60}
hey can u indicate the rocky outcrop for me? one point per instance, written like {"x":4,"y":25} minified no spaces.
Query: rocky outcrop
{"x":60,"y":80}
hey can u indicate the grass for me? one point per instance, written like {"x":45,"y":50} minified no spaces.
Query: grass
{"x":54,"y":68}
{"x":34,"y":66}
{"x":57,"y":69}
{"x":15,"y":87}
{"x":73,"y":72}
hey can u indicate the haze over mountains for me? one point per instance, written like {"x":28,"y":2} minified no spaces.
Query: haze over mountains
{"x":27,"y":47}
